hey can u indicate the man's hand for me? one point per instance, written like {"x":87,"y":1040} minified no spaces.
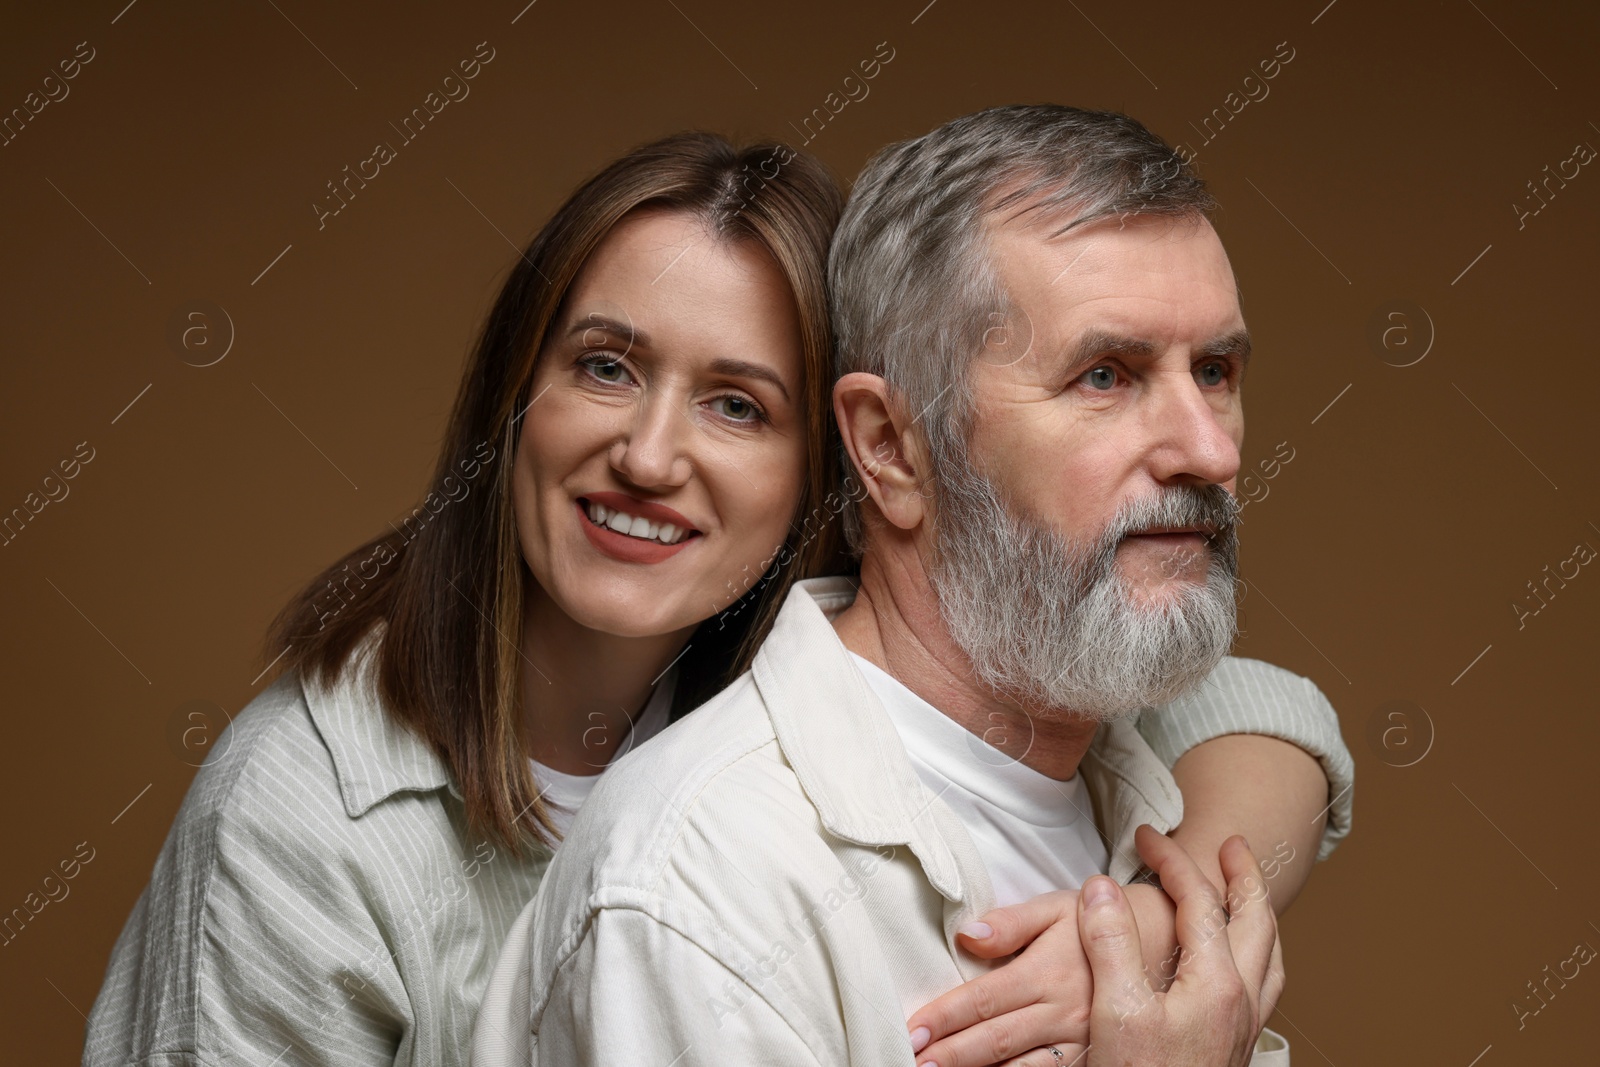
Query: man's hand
{"x":1213,"y":1012}
{"x":1042,"y":997}
{"x":1157,"y":919}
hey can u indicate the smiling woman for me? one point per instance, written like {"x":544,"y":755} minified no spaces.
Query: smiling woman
{"x":656,"y":370}
{"x":664,"y":404}
{"x":604,"y":372}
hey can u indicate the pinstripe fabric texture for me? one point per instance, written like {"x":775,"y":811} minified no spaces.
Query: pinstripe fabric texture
{"x":1247,"y":696}
{"x":318,"y":901}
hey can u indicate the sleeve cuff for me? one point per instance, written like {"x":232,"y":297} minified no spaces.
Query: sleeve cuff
{"x":1246,"y":696}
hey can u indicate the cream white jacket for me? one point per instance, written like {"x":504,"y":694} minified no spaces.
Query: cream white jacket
{"x":770,"y":882}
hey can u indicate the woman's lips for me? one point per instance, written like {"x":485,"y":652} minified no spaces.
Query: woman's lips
{"x":653,"y":512}
{"x":621,"y":546}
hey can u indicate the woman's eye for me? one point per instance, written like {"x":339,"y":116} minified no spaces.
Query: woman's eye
{"x":1213,"y":374}
{"x":737,"y":408}
{"x":1101,"y":378}
{"x":606,"y":370}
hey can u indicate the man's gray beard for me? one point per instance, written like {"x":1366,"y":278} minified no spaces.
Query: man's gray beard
{"x":1053,"y":624}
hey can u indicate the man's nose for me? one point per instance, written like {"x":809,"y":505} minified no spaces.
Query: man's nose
{"x":653,"y":453}
{"x":1194,"y":443}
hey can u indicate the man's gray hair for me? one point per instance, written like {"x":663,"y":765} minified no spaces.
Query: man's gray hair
{"x":912,"y":287}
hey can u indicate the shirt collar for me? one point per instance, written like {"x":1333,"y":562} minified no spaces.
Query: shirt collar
{"x":374,"y":755}
{"x":850,"y":761}
{"x":841,"y":743}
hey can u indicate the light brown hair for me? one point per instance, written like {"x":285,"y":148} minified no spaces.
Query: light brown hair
{"x":448,"y":583}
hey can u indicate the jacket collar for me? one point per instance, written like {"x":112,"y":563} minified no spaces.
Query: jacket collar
{"x":842,"y":745}
{"x":374,"y":755}
{"x":853,"y":766}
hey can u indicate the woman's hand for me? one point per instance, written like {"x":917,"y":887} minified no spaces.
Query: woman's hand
{"x":1040,"y":998}
{"x":1043,"y":996}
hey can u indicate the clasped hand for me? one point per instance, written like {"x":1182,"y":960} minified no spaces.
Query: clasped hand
{"x":1115,"y":974}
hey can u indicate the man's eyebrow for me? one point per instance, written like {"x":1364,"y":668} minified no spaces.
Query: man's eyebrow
{"x":1095,"y":342}
{"x":1236,"y":343}
{"x":623,"y":330}
{"x":739,"y":368}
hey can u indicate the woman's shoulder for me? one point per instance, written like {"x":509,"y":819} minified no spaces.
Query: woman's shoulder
{"x":276,"y":722}
{"x":271,"y":754}
{"x":256,"y":831}
{"x":1247,"y":696}
{"x":1264,"y":681}
{"x":299,"y":772}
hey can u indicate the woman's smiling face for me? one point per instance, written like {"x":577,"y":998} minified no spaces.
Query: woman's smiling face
{"x":663,"y":452}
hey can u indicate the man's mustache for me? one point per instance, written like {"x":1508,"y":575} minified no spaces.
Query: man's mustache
{"x":1209,"y":510}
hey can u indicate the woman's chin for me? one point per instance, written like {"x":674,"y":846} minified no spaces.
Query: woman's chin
{"x":632,"y":614}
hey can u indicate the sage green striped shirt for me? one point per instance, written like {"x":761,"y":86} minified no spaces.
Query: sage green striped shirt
{"x":318,"y":900}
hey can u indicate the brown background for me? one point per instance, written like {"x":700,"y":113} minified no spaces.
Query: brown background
{"x":1383,"y":562}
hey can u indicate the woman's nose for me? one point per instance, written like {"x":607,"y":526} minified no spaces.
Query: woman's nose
{"x":653,"y":452}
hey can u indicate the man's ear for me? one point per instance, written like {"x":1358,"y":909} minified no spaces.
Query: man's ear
{"x":888,"y":456}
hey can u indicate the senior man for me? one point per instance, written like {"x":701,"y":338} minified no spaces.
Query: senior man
{"x":1041,"y":350}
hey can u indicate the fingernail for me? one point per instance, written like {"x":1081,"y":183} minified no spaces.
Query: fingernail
{"x":976,"y":931}
{"x":919,"y":1038}
{"x":1099,"y":890}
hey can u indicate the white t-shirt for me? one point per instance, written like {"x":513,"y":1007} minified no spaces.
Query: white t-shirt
{"x":565,"y":793}
{"x":1033,"y":832}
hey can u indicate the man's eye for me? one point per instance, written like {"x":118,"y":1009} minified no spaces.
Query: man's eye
{"x":1213,"y":374}
{"x":1101,"y":378}
{"x":737,"y":408}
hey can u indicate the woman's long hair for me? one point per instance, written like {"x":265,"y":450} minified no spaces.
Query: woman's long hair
{"x":447,"y":582}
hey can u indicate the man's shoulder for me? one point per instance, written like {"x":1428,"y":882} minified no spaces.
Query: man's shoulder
{"x":698,"y":777}
{"x":704,"y":842}
{"x":672,"y":821}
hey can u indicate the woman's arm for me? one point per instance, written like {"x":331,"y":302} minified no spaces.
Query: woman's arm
{"x":1272,"y":792}
{"x":1256,"y":751}
{"x":1218,"y":741}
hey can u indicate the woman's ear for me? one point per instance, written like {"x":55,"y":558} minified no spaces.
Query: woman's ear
{"x":887,"y":454}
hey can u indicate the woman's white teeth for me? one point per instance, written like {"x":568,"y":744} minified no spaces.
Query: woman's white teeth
{"x":635,"y":525}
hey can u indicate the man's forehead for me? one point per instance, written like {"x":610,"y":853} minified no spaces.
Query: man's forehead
{"x":1160,"y":280}
{"x":1116,"y":242}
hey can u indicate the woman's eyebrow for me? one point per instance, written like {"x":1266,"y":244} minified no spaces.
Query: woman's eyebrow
{"x":740,"y":368}
{"x":622,"y":330}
